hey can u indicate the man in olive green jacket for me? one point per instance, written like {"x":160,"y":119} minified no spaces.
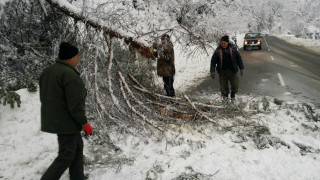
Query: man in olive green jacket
{"x":62,"y":96}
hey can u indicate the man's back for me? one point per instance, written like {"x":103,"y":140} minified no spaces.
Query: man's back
{"x":62,"y":93}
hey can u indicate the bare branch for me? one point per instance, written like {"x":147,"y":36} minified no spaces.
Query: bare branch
{"x":43,"y":7}
{"x":199,"y":39}
{"x":195,"y":109}
{"x":135,"y":81}
{"x":143,"y":117}
{"x":157,"y":95}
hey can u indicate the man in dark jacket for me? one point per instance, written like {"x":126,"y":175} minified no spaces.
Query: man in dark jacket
{"x":62,"y":96}
{"x":165,"y":63}
{"x":227,"y":60}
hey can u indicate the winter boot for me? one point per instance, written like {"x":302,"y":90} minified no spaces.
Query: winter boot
{"x":233,"y":97}
{"x":225,"y":99}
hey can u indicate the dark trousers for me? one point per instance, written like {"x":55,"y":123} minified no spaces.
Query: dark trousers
{"x":70,"y":156}
{"x":225,"y":77}
{"x":168,"y":85}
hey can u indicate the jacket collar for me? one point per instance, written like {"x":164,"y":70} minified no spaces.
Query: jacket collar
{"x":67,"y":64}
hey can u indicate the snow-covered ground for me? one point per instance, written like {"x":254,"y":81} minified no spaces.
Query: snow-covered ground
{"x":289,"y":150}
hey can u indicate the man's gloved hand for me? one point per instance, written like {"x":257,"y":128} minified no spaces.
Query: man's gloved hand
{"x":212,"y":75}
{"x":88,"y":129}
{"x":241,"y":72}
{"x":155,"y":53}
{"x":155,"y":45}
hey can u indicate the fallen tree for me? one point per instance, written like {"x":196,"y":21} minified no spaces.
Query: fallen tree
{"x":122,"y":101}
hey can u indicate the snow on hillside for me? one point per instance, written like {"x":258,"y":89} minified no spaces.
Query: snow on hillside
{"x":307,"y":43}
{"x":269,"y":140}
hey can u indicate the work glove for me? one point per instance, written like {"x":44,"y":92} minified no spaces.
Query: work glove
{"x":212,"y":75}
{"x":155,"y":45}
{"x":155,"y":53}
{"x":241,"y":72}
{"x":88,"y":129}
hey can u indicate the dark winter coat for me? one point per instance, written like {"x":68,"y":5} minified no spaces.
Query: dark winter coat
{"x":62,"y":96}
{"x":217,"y":59}
{"x":165,"y":63}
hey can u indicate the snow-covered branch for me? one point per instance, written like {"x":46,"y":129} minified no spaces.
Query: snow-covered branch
{"x":75,"y":13}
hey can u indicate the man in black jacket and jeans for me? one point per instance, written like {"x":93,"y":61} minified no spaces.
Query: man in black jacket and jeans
{"x":62,"y":96}
{"x":227,"y":60}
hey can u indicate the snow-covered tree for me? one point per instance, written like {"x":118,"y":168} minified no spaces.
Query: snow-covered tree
{"x":115,"y":38}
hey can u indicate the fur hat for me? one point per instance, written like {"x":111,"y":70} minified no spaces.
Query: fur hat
{"x":225,"y":38}
{"x":67,"y":51}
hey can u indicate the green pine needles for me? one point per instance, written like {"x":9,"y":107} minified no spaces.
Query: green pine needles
{"x":32,"y":87}
{"x":9,"y":97}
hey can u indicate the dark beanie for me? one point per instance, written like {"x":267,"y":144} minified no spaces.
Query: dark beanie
{"x":67,"y":51}
{"x":225,"y":38}
{"x":165,"y":36}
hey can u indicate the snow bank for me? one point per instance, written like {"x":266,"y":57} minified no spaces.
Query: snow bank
{"x":26,"y":152}
{"x":311,"y":44}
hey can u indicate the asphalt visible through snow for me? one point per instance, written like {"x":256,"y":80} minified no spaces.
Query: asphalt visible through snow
{"x":280,"y":70}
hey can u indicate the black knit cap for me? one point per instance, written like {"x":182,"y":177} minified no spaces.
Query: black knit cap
{"x":165,"y":36}
{"x":67,"y":51}
{"x":225,"y":38}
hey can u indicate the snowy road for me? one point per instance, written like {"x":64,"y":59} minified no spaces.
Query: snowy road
{"x":280,"y":70}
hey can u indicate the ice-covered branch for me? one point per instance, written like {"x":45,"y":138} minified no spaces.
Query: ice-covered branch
{"x":143,"y":117}
{"x":74,"y":12}
{"x":197,"y":111}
